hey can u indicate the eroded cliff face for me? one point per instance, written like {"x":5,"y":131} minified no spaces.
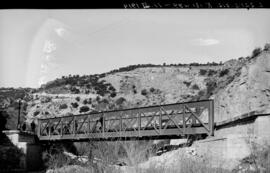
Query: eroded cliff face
{"x":248,"y":92}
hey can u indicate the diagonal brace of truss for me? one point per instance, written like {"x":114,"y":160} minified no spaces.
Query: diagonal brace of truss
{"x":194,"y":115}
{"x":171,"y":119}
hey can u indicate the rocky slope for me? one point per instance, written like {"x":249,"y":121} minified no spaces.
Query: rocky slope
{"x":135,"y":88}
{"x":250,"y":91}
{"x":238,"y":86}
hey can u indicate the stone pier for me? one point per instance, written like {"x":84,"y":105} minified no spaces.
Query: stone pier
{"x":27,"y":142}
{"x":234,"y":142}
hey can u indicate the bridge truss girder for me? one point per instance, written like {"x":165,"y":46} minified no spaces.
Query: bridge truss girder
{"x":178,"y":119}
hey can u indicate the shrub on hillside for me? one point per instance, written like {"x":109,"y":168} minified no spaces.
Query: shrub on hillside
{"x":97,"y":98}
{"x":120,"y":101}
{"x":144,"y":92}
{"x":88,"y":86}
{"x":134,"y":89}
{"x":256,"y":52}
{"x":200,"y":96}
{"x":85,"y":101}
{"x":248,"y":57}
{"x":84,"y":109}
{"x":195,"y":87}
{"x":45,"y":99}
{"x":111,"y":88}
{"x":105,"y":101}
{"x":90,"y":101}
{"x":103,"y":88}
{"x":267,"y":47}
{"x":152,"y":89}
{"x":113,"y":94}
{"x":77,"y":99}
{"x":36,"y":113}
{"x":211,"y":72}
{"x":203,"y":72}
{"x":74,"y":105}
{"x":101,"y":92}
{"x":224,"y":72}
{"x":241,"y":59}
{"x":63,"y":106}
{"x":74,"y":90}
{"x":187,"y":83}
{"x":210,"y":88}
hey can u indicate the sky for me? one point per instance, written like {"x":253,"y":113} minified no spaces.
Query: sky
{"x":37,"y":46}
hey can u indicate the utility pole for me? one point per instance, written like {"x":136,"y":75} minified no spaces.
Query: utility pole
{"x":19,"y":114}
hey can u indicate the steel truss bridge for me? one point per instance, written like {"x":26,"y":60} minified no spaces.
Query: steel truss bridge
{"x":163,"y":121}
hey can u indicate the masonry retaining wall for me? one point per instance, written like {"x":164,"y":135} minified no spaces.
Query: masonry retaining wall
{"x":233,"y":142}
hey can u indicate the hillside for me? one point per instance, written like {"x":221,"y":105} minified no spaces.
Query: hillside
{"x":237,"y":86}
{"x":144,"y":85}
{"x":161,"y":85}
{"x":249,"y":91}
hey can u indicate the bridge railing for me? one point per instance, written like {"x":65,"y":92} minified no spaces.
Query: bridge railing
{"x":164,"y":120}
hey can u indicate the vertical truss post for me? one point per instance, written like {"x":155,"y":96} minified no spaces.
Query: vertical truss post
{"x":160,"y":122}
{"x":39,"y":128}
{"x":103,"y":124}
{"x":211,"y":117}
{"x":74,"y":125}
{"x":61,"y":126}
{"x":193,"y":119}
{"x":89,"y":128}
{"x":121,"y":125}
{"x":184,"y":120}
{"x":139,"y":124}
{"x":49,"y":126}
{"x":197,"y":112}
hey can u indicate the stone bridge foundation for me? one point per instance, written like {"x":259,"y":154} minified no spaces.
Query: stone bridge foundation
{"x":233,"y":143}
{"x":27,"y":142}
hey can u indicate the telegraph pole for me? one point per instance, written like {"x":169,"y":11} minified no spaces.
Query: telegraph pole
{"x":19,"y":114}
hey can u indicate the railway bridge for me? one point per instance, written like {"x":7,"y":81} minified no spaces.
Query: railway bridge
{"x":169,"y":121}
{"x":153,"y":122}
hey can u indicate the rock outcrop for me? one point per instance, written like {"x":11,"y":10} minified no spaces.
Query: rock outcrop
{"x":248,"y":92}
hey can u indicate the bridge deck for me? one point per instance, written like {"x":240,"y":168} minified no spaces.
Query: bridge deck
{"x":156,"y":121}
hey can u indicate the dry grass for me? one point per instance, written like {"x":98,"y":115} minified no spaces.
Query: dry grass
{"x":72,"y":169}
{"x":258,"y":160}
{"x":182,"y":164}
{"x":132,"y":153}
{"x":135,"y":152}
{"x":185,"y":165}
{"x":101,"y":155}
